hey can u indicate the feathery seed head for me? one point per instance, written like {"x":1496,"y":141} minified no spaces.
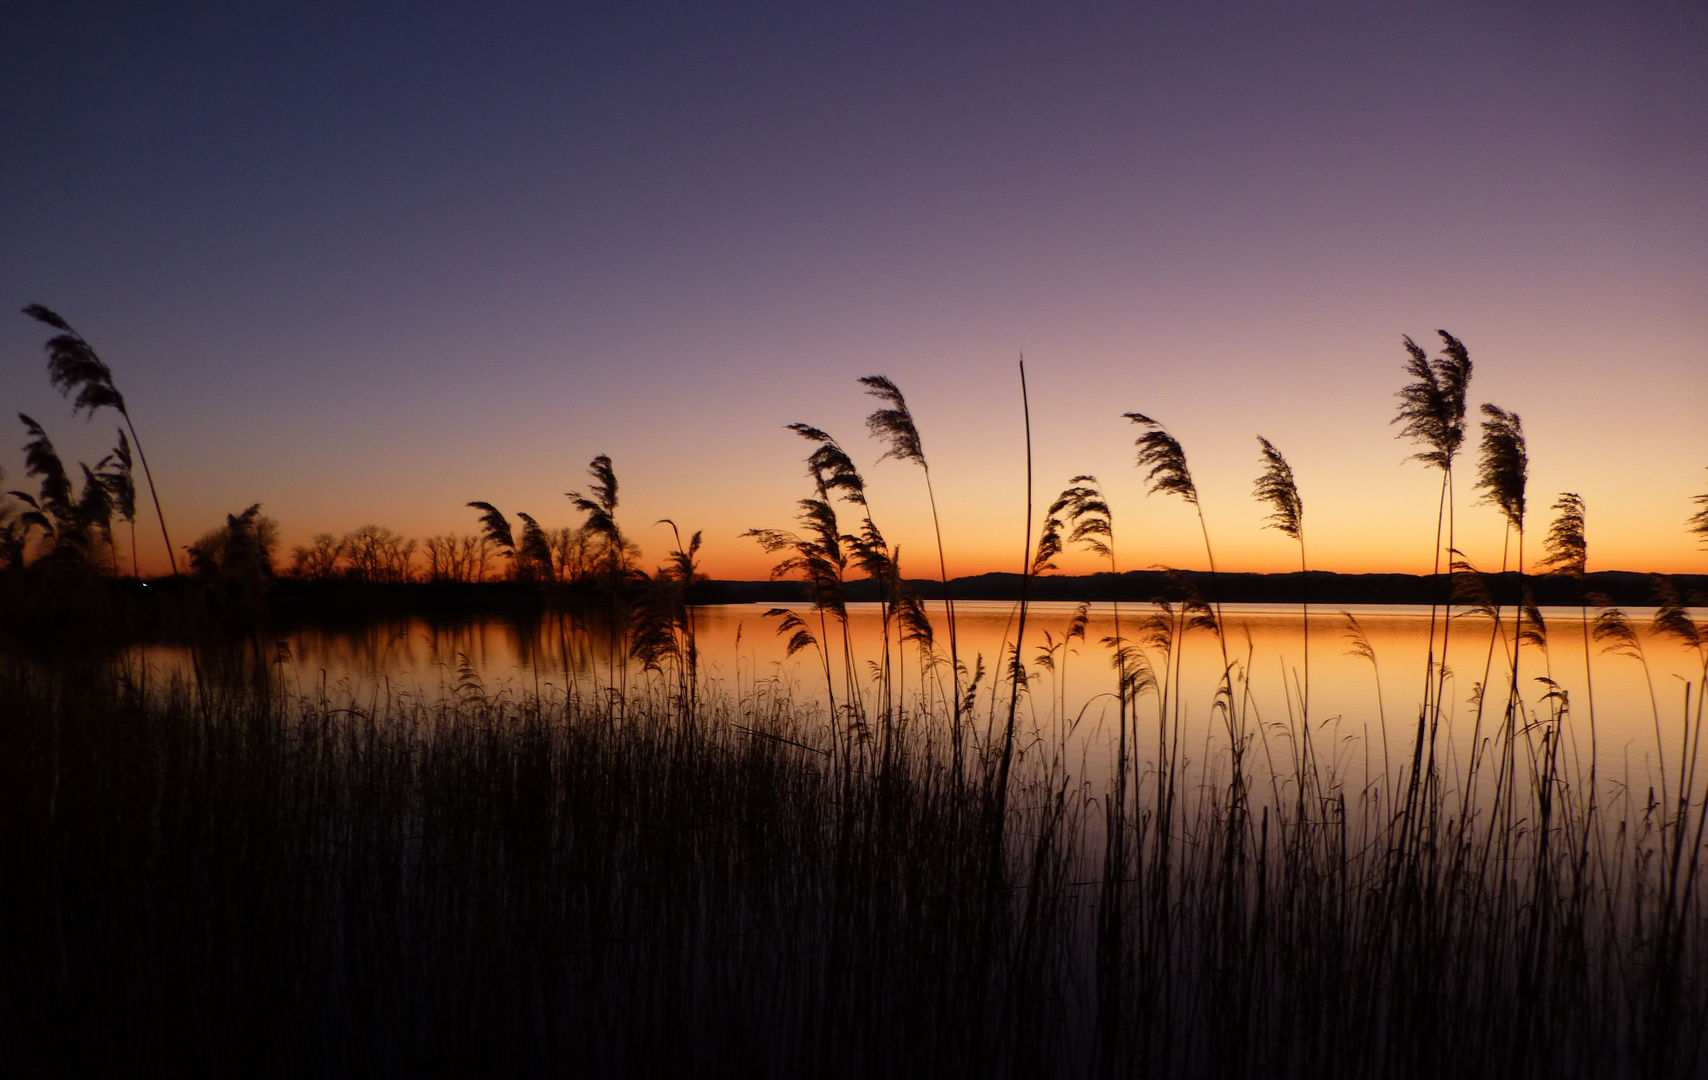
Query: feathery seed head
{"x":1088,"y":516}
{"x":895,"y":423}
{"x":1671,"y":619}
{"x":1360,"y":641}
{"x":1049,"y":544}
{"x":1698,"y":522}
{"x":1276,"y":487}
{"x":830,"y":467}
{"x":1612,"y":628}
{"x":601,"y":507}
{"x":1432,"y":407}
{"x":1167,"y":461}
{"x":73,"y":365}
{"x":44,"y":315}
{"x":1532,"y":630}
{"x":495,"y":528}
{"x":1504,"y":464}
{"x":1565,"y":551}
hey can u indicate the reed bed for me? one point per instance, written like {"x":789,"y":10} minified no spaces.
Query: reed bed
{"x":223,"y":879}
{"x":897,"y":873}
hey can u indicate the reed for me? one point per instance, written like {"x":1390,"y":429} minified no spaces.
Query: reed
{"x":1698,"y":522}
{"x":73,"y":365}
{"x":1432,"y":414}
{"x":894,"y":425}
{"x":232,"y":872}
{"x":1276,"y":486}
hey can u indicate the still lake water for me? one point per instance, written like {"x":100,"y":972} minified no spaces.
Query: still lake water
{"x":1638,"y":714}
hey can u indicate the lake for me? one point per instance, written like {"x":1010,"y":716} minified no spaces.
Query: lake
{"x":1363,"y":708}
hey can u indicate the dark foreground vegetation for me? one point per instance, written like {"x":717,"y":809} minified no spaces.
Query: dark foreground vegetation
{"x":233,"y":881}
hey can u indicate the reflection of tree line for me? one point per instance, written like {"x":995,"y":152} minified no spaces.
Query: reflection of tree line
{"x":554,"y":643}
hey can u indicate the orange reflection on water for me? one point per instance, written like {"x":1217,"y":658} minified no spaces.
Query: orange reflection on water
{"x":1638,"y":714}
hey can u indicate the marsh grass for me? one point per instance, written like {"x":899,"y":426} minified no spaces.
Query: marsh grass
{"x":245,"y":877}
{"x":225,"y":881}
{"x":645,"y":874}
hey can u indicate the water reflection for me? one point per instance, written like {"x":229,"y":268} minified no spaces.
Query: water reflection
{"x":1362,"y":709}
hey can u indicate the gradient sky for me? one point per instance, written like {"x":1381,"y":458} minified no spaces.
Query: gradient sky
{"x":366,"y":266}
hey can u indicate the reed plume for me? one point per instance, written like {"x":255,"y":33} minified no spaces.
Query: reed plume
{"x":821,"y":561}
{"x":122,"y":485}
{"x":69,"y":522}
{"x":42,"y":461}
{"x":1502,"y":472}
{"x":1432,"y":415}
{"x":1672,"y":619}
{"x":533,"y":551}
{"x":1359,"y":646}
{"x":496,"y":528}
{"x":1276,"y":487}
{"x":1698,"y":522}
{"x":73,"y":366}
{"x":1168,"y":474}
{"x":1503,"y":465}
{"x":600,"y":506}
{"x":1162,"y":453}
{"x":1532,"y":628}
{"x":1565,"y":553}
{"x":1432,"y":407}
{"x":673,"y":583}
{"x":800,"y":635}
{"x":1092,"y":525}
{"x":834,"y":473}
{"x":830,"y":467}
{"x":1614,"y":632}
{"x":893,"y":424}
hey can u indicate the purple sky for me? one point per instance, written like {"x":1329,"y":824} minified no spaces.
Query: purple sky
{"x":368,"y":267}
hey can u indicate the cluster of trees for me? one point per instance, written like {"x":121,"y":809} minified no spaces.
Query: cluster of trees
{"x":562,"y":556}
{"x":370,"y":553}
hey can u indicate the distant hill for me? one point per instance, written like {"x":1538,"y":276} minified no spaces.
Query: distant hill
{"x":1317,"y":587}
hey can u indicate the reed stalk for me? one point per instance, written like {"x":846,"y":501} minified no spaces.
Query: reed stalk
{"x":73,"y":365}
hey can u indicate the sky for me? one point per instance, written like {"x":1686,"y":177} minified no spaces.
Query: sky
{"x":367,"y":263}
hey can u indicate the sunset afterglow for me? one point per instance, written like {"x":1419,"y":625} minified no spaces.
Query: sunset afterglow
{"x":365,"y":268}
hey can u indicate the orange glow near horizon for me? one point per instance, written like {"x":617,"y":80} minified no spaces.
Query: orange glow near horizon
{"x":353,"y":289}
{"x":1385,"y":527}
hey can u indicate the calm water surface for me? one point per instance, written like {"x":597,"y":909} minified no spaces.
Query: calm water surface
{"x":1359,"y":711}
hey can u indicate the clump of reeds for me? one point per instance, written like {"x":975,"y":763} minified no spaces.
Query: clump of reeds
{"x":74,"y":366}
{"x":226,"y":880}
